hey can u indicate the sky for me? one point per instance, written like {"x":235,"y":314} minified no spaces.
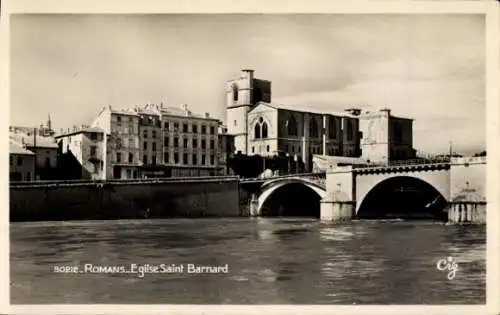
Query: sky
{"x":427,"y":67}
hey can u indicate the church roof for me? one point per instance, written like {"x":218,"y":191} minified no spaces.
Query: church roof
{"x":307,"y":109}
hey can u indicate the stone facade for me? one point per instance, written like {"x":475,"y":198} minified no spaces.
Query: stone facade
{"x":264,"y":128}
{"x":87,"y":147}
{"x":21,"y":163}
{"x":156,"y":141}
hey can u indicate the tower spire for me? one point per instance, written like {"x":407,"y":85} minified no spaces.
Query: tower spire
{"x":49,"y":123}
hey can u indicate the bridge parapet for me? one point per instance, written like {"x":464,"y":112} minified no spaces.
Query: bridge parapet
{"x":469,"y":160}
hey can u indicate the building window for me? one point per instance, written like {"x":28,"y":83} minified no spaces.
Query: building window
{"x":165,"y":157}
{"x":293,"y":149}
{"x":185,"y":128}
{"x":176,"y":142}
{"x":185,"y":142}
{"x":195,"y":128}
{"x":154,"y":133}
{"x":131,"y":142}
{"x":253,"y":149}
{"x":203,"y":144}
{"x":145,"y":134}
{"x":291,"y":126}
{"x":118,"y":157}
{"x":154,"y":146}
{"x":93,"y":151}
{"x":129,"y":173}
{"x":264,"y":130}
{"x":398,"y":134}
{"x":195,"y":143}
{"x":130,"y":158}
{"x":145,"y":159}
{"x":299,"y":149}
{"x":185,"y":158}
{"x":212,"y":130}
{"x":11,"y":160}
{"x":166,"y":126}
{"x":212,"y":144}
{"x":349,"y":130}
{"x":153,"y":160}
{"x":28,"y":176}
{"x":145,"y":145}
{"x":235,"y":122}
{"x":195,"y":159}
{"x":313,"y":128}
{"x":203,"y":129}
{"x":267,"y":148}
{"x":93,"y":136}
{"x":235,"y":93}
{"x":165,"y":142}
{"x":260,"y":129}
{"x":20,"y":161}
{"x":118,"y":119}
{"x":176,"y":157}
{"x":203,"y":159}
{"x":212,"y":159}
{"x":176,"y":127}
{"x":332,"y":128}
{"x":256,"y":131}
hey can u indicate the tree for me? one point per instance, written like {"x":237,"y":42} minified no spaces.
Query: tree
{"x":482,"y":153}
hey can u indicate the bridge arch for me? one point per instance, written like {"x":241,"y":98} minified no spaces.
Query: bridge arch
{"x":310,"y":188}
{"x":404,"y":196}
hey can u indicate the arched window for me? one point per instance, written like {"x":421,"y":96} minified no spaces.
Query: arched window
{"x":260,"y":129}
{"x":291,"y":126}
{"x":313,"y":128}
{"x":349,"y":129}
{"x":256,"y":131}
{"x":332,"y":128}
{"x":264,"y":130}
{"x":235,"y":92}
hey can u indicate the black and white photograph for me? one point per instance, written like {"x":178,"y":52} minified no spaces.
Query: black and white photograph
{"x":259,"y":158}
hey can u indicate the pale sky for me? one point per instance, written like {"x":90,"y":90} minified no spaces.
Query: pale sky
{"x":427,"y":67}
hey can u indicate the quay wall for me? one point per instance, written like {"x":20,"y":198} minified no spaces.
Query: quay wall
{"x":124,"y":200}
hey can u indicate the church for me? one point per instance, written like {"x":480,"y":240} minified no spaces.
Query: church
{"x":261,"y":127}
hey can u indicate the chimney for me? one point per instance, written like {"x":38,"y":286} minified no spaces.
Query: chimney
{"x":386,"y":110}
{"x":75,"y":128}
{"x":353,"y":111}
{"x":207,"y":115}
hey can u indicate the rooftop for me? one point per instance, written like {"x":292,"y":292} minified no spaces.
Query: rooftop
{"x":308,"y":109}
{"x":16,"y":148}
{"x":89,"y":129}
{"x":28,"y":140}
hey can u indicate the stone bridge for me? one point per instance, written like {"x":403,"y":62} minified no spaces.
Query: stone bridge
{"x":458,"y":186}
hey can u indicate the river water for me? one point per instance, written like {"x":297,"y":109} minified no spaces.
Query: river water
{"x":269,"y":261}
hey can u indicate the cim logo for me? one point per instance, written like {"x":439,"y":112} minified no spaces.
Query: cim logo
{"x":448,"y":264}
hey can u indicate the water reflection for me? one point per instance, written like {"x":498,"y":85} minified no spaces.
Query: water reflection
{"x":271,"y":261}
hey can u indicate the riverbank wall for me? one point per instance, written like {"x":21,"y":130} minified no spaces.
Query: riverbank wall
{"x":102,"y":200}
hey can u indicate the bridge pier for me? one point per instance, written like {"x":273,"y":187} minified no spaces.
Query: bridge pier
{"x":467,"y":212}
{"x":336,"y":211}
{"x":254,"y":206}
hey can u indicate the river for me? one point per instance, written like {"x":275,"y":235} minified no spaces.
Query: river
{"x":269,"y":261}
